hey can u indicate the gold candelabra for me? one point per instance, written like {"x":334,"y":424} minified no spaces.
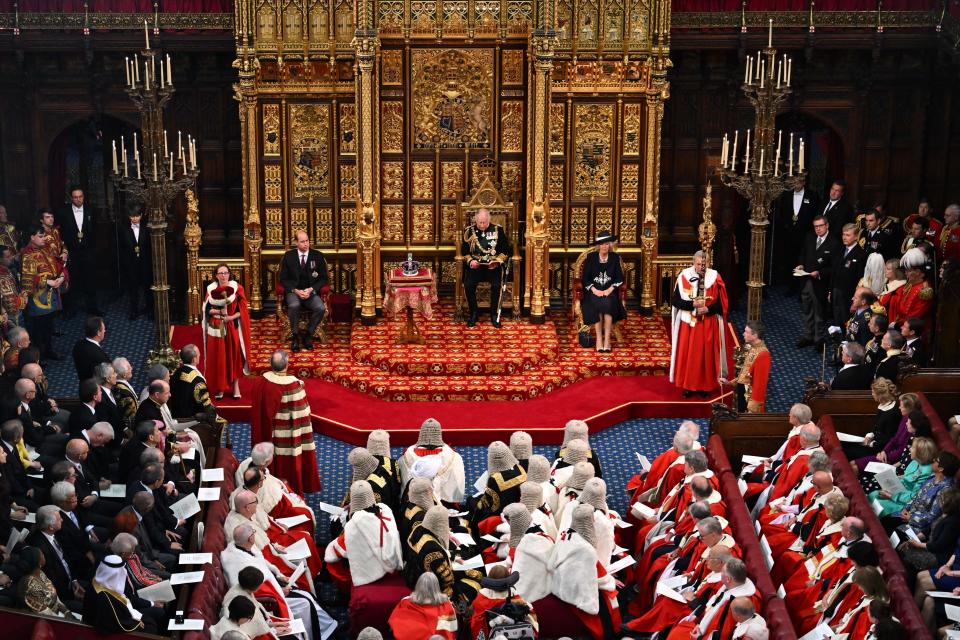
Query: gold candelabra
{"x":762,"y":173}
{"x":155,"y":176}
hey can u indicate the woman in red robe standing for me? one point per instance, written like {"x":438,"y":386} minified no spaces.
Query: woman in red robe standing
{"x":226,"y":334}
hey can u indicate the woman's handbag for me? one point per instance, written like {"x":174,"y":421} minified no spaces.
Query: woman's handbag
{"x":587,"y":339}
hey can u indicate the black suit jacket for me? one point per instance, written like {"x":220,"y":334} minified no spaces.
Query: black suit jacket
{"x":14,"y":471}
{"x":32,"y":434}
{"x":293,"y":277}
{"x":54,"y":568}
{"x":917,"y":351}
{"x":108,"y":411}
{"x":839,"y":214}
{"x":135,"y":256}
{"x":80,"y":249}
{"x":76,"y":544}
{"x":809,"y":207}
{"x":130,"y":461}
{"x":86,"y":356}
{"x":81,"y":418}
{"x":145,"y":536}
{"x":849,"y":270}
{"x":823,"y":259}
{"x":853,"y":378}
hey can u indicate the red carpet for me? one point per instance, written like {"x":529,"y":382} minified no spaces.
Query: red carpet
{"x":362,"y":381}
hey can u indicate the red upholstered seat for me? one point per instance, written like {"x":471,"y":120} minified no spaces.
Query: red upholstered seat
{"x":372,"y":604}
{"x":717,"y":455}
{"x":778,"y":620}
{"x":557,"y":619}
{"x":43,"y":631}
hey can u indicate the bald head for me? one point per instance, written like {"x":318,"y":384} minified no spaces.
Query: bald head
{"x":23,"y":387}
{"x":31,"y":371}
{"x":143,"y":501}
{"x":77,"y":449}
{"x":823,"y":481}
{"x":245,"y":502}
{"x":810,"y":434}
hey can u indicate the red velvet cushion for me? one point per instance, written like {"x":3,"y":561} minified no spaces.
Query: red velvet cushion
{"x":717,"y":455}
{"x":372,"y":604}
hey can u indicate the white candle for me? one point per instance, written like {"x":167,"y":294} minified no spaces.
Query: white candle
{"x":756,"y":66}
{"x":137,"y":158}
{"x":763,"y":71}
{"x":776,"y":162}
{"x":169,"y":72}
{"x":746,"y":74}
{"x":164,"y":142}
{"x":146,"y":75}
{"x":790,"y":156}
{"x":746,"y":163}
{"x":733,"y":156}
{"x":115,"y":157}
{"x":171,"y":167}
{"x":800,"y":161}
{"x":155,"y":176}
{"x":136,"y":152}
{"x":161,"y":77}
{"x":789,"y":70}
{"x":723,"y":151}
{"x":136,"y":68}
{"x":126,"y":65}
{"x":761,"y":162}
{"x":770,"y":34}
{"x":779,"y":70}
{"x":146,"y":33}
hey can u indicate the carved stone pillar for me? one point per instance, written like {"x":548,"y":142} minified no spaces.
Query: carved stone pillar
{"x":193,"y":238}
{"x":368,"y":170}
{"x":656,"y":96}
{"x":537,"y":256}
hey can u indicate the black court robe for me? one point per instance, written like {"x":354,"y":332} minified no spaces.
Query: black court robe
{"x":106,"y":612}
{"x":427,"y":554}
{"x":592,"y":458}
{"x":503,"y":488}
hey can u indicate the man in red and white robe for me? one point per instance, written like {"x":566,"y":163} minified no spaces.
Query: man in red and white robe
{"x":715,"y":615}
{"x":700,"y":356}
{"x":283,"y":417}
{"x":789,"y":474}
{"x":276,"y":497}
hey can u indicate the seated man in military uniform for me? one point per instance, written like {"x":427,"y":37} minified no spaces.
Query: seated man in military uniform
{"x":189,"y":396}
{"x":487,"y":250}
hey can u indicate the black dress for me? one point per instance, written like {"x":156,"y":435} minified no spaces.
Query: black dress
{"x":602,"y":275}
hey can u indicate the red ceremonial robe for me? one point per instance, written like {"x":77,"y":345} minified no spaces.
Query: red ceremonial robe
{"x":411,"y":621}
{"x":700,"y":353}
{"x":226,"y":345}
{"x":719,"y":614}
{"x":666,"y":612}
{"x":283,"y":417}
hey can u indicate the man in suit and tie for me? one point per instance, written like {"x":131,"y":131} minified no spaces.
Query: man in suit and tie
{"x":107,"y":409}
{"x":880,"y":234}
{"x":44,"y":408}
{"x":88,"y":482}
{"x":76,"y":229}
{"x":848,"y":272}
{"x":303,"y":273}
{"x":65,"y":578}
{"x":136,"y":263}
{"x":795,"y":217}
{"x":145,"y":435}
{"x":75,"y":535}
{"x":21,"y":488}
{"x":153,"y":542}
{"x":87,"y":352}
{"x":912,"y":331}
{"x":820,"y":252}
{"x":837,"y":210}
{"x":18,"y":406}
{"x":84,"y":416}
{"x":853,"y":374}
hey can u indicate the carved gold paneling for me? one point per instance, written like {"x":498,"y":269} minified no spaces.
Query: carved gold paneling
{"x":273,"y":217}
{"x":556,"y":224}
{"x":578,"y":225}
{"x":612,"y":23}
{"x":556,"y":181}
{"x":628,"y":225}
{"x":630,"y":182}
{"x":348,"y":128}
{"x":632,"y":129}
{"x":422,"y":223}
{"x":348,"y":182}
{"x":391,"y":127}
{"x":512,"y":66}
{"x":451,"y":179}
{"x":309,"y":127}
{"x":511,"y":126}
{"x":343,"y":21}
{"x":556,"y":280}
{"x":348,"y":225}
{"x":604,"y":220}
{"x":587,"y":23}
{"x":639,"y":16}
{"x":510,"y":173}
{"x":487,"y":16}
{"x":318,"y":17}
{"x":271,"y":130}
{"x":564,"y":21}
{"x":323,"y":221}
{"x":266,"y":23}
{"x":392,"y":180}
{"x":448,"y":272}
{"x":293,"y":22}
{"x":391,"y":222}
{"x":391,"y":17}
{"x":558,"y":124}
{"x":347,"y":278}
{"x":391,"y":65}
{"x":518,"y":16}
{"x":452,"y":98}
{"x":593,"y":132}
{"x":422,"y":188}
{"x":423,"y":16}
{"x":298,"y":222}
{"x":272,"y":183}
{"x":454,"y":17}
{"x":448,"y":223}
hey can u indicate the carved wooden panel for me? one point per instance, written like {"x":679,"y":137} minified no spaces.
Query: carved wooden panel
{"x":579,"y":224}
{"x":348,"y":182}
{"x":392,"y":181}
{"x":423,"y":15}
{"x":603,"y":221}
{"x":319,"y":18}
{"x":309,"y":127}
{"x":452,"y":98}
{"x":272,"y":184}
{"x":556,"y":225}
{"x":593,"y":134}
{"x":448,"y":223}
{"x":451,"y":179}
{"x":392,"y":222}
{"x":323,"y":223}
{"x":271,"y":130}
{"x":512,"y":66}
{"x":391,"y":126}
{"x":629,"y":182}
{"x":348,"y":225}
{"x":510,"y":174}
{"x":628,"y":225}
{"x":391,"y":17}
{"x":557,"y":172}
{"x":348,"y":128}
{"x":558,"y":128}
{"x":343,"y":21}
{"x":391,"y":65}
{"x":511,"y":126}
{"x":298,"y":222}
{"x":632,"y":129}
{"x":422,"y":223}
{"x":273,"y":216}
{"x":422,"y":188}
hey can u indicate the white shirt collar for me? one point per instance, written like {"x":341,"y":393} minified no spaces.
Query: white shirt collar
{"x":92,"y":407}
{"x":93,"y":341}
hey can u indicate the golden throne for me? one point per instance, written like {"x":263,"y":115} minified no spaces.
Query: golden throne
{"x":303,"y":322}
{"x":502,"y":213}
{"x":578,"y":293}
